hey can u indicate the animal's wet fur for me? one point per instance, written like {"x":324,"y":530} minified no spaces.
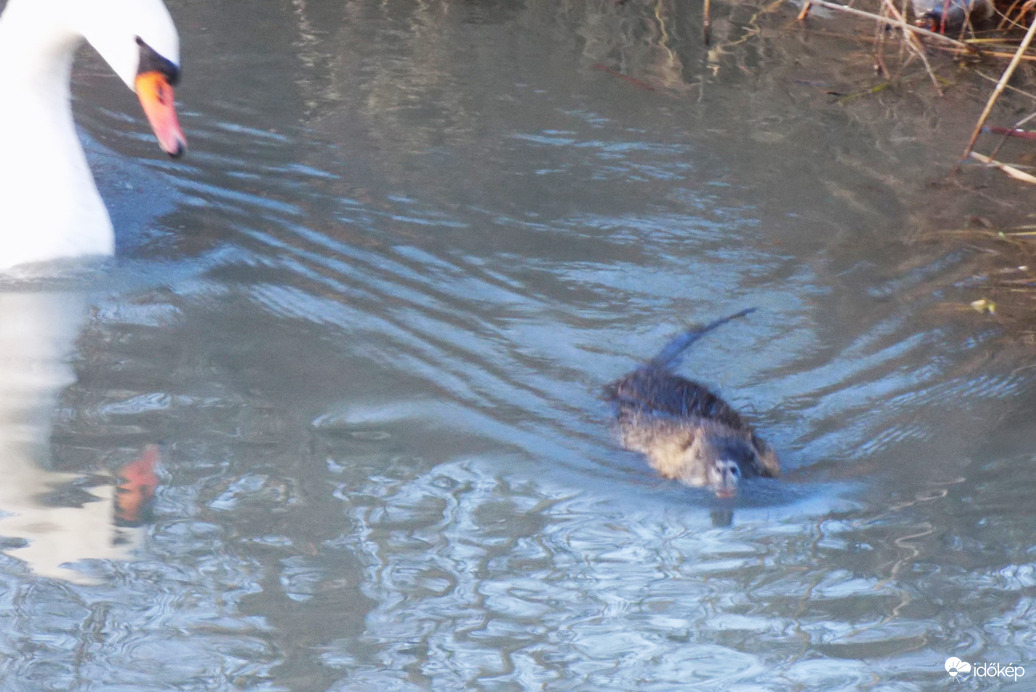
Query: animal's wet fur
{"x":687,"y":432}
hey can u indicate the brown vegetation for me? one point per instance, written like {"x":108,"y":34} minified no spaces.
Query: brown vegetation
{"x":1004,"y":42}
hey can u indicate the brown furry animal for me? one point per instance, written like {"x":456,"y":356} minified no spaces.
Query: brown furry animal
{"x":686,"y":432}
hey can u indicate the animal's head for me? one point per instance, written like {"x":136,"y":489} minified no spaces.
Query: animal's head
{"x":138,"y":40}
{"x":726,"y":461}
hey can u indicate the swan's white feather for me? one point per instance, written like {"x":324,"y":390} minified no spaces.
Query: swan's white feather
{"x":49,"y":204}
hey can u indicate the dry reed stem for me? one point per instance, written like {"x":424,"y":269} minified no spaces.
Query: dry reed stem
{"x":1009,"y":170}
{"x":1013,"y":13}
{"x":899,"y":23}
{"x":998,"y":54}
{"x":915,"y":43}
{"x":1021,"y":92}
{"x":706,"y":28}
{"x":1007,"y":135}
{"x":1022,"y":47}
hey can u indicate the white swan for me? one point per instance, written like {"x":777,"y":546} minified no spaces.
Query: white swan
{"x":49,"y":204}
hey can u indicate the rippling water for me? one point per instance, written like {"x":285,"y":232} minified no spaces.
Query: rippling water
{"x":368,"y":318}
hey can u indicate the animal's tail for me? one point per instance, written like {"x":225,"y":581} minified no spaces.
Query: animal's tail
{"x":671,"y":351}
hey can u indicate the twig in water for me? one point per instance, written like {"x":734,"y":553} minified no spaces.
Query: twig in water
{"x":1009,"y":170}
{"x":1022,"y":47}
{"x":915,"y":43}
{"x":1011,"y":132}
{"x":898,"y":23}
{"x":706,"y":25}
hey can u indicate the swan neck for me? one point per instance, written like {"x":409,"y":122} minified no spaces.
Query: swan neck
{"x":36,"y":50}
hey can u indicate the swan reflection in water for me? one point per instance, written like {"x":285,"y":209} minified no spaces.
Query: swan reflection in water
{"x":37,"y":333}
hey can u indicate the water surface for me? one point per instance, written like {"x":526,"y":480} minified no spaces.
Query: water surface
{"x":368,"y":319}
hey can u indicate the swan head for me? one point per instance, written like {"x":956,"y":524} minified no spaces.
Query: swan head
{"x":139,"y":42}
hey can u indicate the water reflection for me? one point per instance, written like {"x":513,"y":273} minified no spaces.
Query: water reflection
{"x":410,"y":245}
{"x":60,"y":518}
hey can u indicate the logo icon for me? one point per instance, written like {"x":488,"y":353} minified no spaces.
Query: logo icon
{"x":954,"y":666}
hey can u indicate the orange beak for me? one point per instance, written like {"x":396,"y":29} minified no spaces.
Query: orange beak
{"x":156,"y":96}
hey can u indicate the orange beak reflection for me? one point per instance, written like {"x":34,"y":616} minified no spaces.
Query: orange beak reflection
{"x":136,"y":489}
{"x":156,"y":96}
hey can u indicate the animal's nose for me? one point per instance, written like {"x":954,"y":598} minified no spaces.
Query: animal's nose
{"x":729,"y":478}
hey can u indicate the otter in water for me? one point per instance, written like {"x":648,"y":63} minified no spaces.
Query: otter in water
{"x":687,"y":432}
